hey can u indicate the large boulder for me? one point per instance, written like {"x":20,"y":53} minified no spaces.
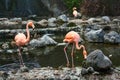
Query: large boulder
{"x":43,"y":22}
{"x":43,"y":41}
{"x":94,"y":35}
{"x":51,"y":22}
{"x":62,"y":18}
{"x":112,"y":37}
{"x":99,"y":61}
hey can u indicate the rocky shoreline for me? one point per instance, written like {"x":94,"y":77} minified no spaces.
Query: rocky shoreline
{"x":49,"y":73}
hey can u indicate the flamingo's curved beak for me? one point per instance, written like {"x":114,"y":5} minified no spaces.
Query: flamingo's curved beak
{"x":65,"y":40}
{"x":33,"y":26}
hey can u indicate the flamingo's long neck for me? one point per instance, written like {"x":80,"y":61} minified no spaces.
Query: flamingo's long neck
{"x":28,"y":33}
{"x":81,"y":46}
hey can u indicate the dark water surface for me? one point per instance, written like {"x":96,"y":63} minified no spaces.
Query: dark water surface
{"x":54,"y":55}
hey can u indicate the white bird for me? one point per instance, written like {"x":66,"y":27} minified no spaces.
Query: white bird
{"x":76,"y":14}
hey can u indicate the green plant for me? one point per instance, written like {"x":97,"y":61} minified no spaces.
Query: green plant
{"x":73,"y":3}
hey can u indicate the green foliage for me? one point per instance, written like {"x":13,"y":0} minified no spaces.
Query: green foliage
{"x":73,"y":3}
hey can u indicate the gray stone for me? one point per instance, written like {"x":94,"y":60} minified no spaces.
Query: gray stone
{"x":112,"y":37}
{"x":43,"y":41}
{"x":43,"y":22}
{"x":84,"y":71}
{"x":99,"y":61}
{"x":19,"y":20}
{"x":63,"y":18}
{"x":106,"y":19}
{"x":94,"y":36}
{"x":52,"y":20}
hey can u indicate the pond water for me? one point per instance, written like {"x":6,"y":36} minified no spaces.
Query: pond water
{"x":54,"y":55}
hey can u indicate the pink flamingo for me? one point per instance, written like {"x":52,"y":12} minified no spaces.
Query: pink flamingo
{"x":73,"y":37}
{"x":21,"y":40}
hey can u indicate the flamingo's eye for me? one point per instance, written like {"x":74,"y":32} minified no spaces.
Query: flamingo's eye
{"x":69,"y":38}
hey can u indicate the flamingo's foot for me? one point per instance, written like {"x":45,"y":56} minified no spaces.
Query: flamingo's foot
{"x":24,"y":69}
{"x":73,"y":66}
{"x":68,"y":64}
{"x":22,"y":65}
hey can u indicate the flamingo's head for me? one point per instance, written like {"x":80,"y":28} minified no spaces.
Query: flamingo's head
{"x":72,"y":37}
{"x":69,"y":38}
{"x":74,"y":8}
{"x":30,"y":23}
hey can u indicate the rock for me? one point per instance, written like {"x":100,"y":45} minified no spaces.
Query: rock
{"x":9,"y":51}
{"x":5,"y":45}
{"x":91,"y":20}
{"x":62,"y":18}
{"x":96,"y":73}
{"x":32,"y":16}
{"x":8,"y":23}
{"x":90,"y":69}
{"x":52,"y":20}
{"x":51,"y":24}
{"x":106,"y":19}
{"x":24,"y":69}
{"x":43,"y":41}
{"x":99,"y":61}
{"x":112,"y":37}
{"x":116,"y":20}
{"x":67,"y":77}
{"x":104,"y":35}
{"x":3,"y":75}
{"x":78,"y":21}
{"x":4,"y":19}
{"x":24,"y":22}
{"x":43,"y":22}
{"x":19,"y":20}
{"x":84,"y":71}
{"x":94,"y":35}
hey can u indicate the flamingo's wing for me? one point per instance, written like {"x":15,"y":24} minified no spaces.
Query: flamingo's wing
{"x":20,"y":39}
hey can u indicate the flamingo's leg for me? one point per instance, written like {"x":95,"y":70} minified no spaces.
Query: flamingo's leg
{"x":68,"y":63}
{"x":20,"y":58}
{"x":72,"y":54}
